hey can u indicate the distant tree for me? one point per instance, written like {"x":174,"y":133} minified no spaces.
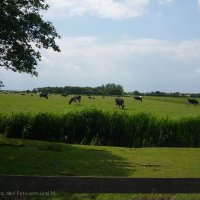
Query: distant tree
{"x":28,"y":91}
{"x":113,"y":89}
{"x":22,"y":33}
{"x":137,"y":93}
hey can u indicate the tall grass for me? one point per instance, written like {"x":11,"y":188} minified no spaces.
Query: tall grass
{"x":3,"y":122}
{"x":94,"y":126}
{"x":17,"y":124}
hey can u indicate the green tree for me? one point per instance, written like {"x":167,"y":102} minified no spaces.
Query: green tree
{"x":23,"y":33}
{"x":113,"y":89}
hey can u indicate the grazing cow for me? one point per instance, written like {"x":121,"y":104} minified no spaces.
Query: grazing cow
{"x":138,"y":98}
{"x":45,"y":95}
{"x":193,"y":101}
{"x":75,"y":99}
{"x":119,"y":102}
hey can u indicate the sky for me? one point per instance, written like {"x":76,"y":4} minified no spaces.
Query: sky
{"x":143,"y":45}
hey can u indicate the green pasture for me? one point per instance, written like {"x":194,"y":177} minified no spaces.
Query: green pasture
{"x":172,"y":107}
{"x":25,"y":157}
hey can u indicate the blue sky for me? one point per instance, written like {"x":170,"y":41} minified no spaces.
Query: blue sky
{"x":144,"y":45}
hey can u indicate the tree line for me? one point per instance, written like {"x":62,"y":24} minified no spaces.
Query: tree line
{"x":108,"y":89}
{"x":163,"y":94}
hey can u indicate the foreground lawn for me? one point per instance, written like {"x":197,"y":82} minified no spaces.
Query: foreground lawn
{"x":43,"y":158}
{"x":25,"y":157}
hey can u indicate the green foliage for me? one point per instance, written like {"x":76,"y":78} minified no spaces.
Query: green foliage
{"x":189,"y":130}
{"x":3,"y":123}
{"x":118,"y":129}
{"x":45,"y":126}
{"x":21,"y":26}
{"x":108,"y":89}
{"x":144,"y":130}
{"x":17,"y":124}
{"x":96,"y":126}
{"x":73,"y":127}
{"x":92,"y":126}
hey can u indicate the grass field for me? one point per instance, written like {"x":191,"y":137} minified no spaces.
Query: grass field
{"x":159,"y":106}
{"x":24,"y":157}
{"x":42,"y":158}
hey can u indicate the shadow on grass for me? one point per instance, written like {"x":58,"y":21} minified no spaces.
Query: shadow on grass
{"x":41,"y":158}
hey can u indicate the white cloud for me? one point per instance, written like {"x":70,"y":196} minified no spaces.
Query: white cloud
{"x":197,"y":71}
{"x":162,"y":2}
{"x":142,"y":64}
{"x":111,"y":9}
{"x":198,"y":1}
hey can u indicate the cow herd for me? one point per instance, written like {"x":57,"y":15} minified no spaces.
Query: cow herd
{"x":118,"y":101}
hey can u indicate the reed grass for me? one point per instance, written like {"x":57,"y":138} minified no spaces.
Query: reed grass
{"x":92,"y":126}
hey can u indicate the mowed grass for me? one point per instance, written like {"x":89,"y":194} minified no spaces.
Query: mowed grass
{"x":158,"y":106}
{"x":25,"y":157}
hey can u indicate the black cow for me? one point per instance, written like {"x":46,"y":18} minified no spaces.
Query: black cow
{"x":193,"y":102}
{"x":44,"y":95}
{"x":75,"y":99}
{"x":119,"y":102}
{"x":138,"y":98}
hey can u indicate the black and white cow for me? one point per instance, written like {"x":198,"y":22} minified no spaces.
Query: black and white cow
{"x":138,"y":98}
{"x":75,"y":99}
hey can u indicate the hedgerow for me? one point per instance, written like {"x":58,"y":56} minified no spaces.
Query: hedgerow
{"x":96,"y":127}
